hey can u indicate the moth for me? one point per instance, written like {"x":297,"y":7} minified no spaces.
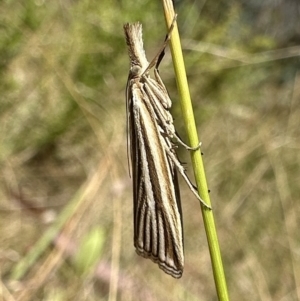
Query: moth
{"x":158,"y":229}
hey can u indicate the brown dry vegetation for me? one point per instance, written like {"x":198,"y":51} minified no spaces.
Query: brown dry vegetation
{"x":63,"y":147}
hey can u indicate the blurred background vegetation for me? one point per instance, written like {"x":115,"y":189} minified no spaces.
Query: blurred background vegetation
{"x":65,"y":190}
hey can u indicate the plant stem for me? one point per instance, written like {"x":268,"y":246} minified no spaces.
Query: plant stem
{"x":189,"y":120}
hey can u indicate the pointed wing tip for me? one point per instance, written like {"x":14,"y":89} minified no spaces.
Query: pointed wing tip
{"x":172,"y":270}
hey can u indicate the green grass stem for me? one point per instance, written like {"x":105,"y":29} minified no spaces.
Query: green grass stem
{"x":190,"y":125}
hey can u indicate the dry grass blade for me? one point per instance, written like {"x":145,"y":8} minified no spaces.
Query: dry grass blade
{"x":71,"y":218}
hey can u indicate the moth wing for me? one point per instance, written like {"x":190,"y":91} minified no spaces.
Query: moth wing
{"x":157,"y":209}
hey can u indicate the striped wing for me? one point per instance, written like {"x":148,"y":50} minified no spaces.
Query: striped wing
{"x":157,"y":210}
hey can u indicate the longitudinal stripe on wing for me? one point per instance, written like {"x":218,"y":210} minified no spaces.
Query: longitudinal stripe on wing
{"x":158,"y":231}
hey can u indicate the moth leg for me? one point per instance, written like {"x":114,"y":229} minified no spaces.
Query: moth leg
{"x":171,"y":133}
{"x":168,"y":36}
{"x":181,"y":170}
{"x":185,"y":145}
{"x":160,"y":54}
